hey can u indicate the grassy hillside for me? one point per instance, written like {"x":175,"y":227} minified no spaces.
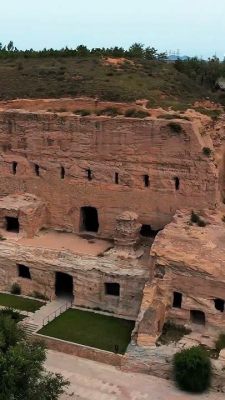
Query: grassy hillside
{"x":159,"y":82}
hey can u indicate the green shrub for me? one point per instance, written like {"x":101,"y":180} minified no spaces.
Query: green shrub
{"x":173,"y":116}
{"x":172,"y":333}
{"x":192,"y":369}
{"x":214,"y":114}
{"x":196,"y":219}
{"x":220,"y":343}
{"x":16,"y":316}
{"x":176,"y":128}
{"x":109,"y":111}
{"x":222,"y":99}
{"x":38,"y":295}
{"x":133,"y":113}
{"x":82,"y":112}
{"x":15,"y":289}
{"x":207,"y":151}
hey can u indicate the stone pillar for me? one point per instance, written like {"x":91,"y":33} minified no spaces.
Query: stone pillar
{"x":127,"y":235}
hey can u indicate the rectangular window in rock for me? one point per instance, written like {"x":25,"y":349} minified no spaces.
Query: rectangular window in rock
{"x":197,"y":317}
{"x":89,"y":219}
{"x":112,"y":289}
{"x":146,"y":180}
{"x":62,"y":174}
{"x":177,"y":299}
{"x":177,"y":182}
{"x":37,"y":169}
{"x":23,"y":271}
{"x":12,"y":224}
{"x":89,"y":174}
{"x":116,"y":178}
{"x":14,"y":167}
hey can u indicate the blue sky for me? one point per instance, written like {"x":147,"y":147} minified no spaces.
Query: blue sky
{"x":196,"y":27}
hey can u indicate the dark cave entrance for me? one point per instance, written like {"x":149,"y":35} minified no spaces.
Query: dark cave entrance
{"x":63,"y":284}
{"x":12,"y":224}
{"x":89,"y":219}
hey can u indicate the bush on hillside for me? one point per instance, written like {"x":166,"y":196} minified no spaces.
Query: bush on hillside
{"x":192,"y":369}
{"x":207,"y":151}
{"x":196,"y":219}
{"x":82,"y":112}
{"x":220,"y":343}
{"x":15,"y":289}
{"x":109,"y":112}
{"x":133,"y":113}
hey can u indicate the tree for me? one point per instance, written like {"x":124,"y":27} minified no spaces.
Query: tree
{"x":136,"y":50}
{"x":10,"y":46}
{"x":82,"y":51}
{"x":22,"y":373}
{"x":150,"y":53}
{"x":192,"y":369}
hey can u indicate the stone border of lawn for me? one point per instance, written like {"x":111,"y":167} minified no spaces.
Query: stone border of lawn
{"x":24,"y":313}
{"x":79,"y":350}
{"x":118,"y":316}
{"x":25,"y":297}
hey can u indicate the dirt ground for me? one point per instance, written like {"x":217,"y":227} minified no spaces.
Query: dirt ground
{"x":94,"y":381}
{"x":67,"y":241}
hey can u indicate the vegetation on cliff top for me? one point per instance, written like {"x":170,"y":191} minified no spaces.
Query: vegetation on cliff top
{"x":142,"y":73}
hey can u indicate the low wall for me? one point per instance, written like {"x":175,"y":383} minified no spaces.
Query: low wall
{"x":79,"y":350}
{"x":158,"y":361}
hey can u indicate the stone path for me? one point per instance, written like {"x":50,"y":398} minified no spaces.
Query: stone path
{"x":49,"y":309}
{"x":94,"y":381}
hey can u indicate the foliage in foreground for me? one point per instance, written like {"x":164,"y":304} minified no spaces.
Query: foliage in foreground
{"x":192,"y":369}
{"x":220,"y":343}
{"x":22,"y":373}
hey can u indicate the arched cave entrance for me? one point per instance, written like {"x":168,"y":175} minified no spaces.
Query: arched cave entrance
{"x":63,"y":285}
{"x":89,"y":219}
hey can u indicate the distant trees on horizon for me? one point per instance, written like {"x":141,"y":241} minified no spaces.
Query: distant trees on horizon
{"x":136,"y":50}
{"x":205,"y":72}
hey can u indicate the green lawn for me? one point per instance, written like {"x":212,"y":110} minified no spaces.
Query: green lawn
{"x":19,"y":303}
{"x":91,"y":329}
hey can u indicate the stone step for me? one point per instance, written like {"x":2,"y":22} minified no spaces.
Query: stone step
{"x":47,"y":313}
{"x":29,"y":327}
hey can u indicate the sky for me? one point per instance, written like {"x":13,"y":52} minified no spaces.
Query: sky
{"x":195,"y":27}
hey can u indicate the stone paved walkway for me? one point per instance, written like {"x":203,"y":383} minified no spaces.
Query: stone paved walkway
{"x":94,"y":381}
{"x":48,"y":310}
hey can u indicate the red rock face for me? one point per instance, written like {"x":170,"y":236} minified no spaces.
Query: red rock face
{"x":148,"y":166}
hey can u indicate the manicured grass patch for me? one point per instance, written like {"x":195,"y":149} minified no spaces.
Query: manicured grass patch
{"x":19,"y":303}
{"x":91,"y":329}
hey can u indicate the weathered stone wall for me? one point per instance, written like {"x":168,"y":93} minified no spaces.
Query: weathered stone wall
{"x":132,"y":148}
{"x":28,"y":209}
{"x":89,"y":276}
{"x":78,"y":350}
{"x":198,"y":293}
{"x":187,"y":259}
